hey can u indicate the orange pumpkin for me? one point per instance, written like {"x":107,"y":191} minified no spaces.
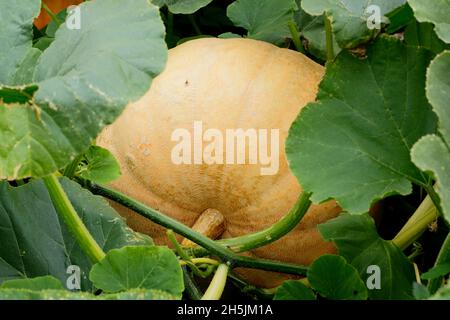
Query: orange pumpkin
{"x":56,"y":6}
{"x":233,"y":83}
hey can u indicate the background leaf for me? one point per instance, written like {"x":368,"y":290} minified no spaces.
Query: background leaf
{"x":432,"y":153}
{"x":86,"y":78}
{"x":183,"y":6}
{"x":265,"y":20}
{"x":335,"y":279}
{"x":423,"y":35}
{"x":36,"y":243}
{"x":16,"y":34}
{"x":436,"y":13}
{"x":349,"y":17}
{"x":368,"y":115}
{"x":139,"y":268}
{"x":294,"y":290}
{"x":359,"y":243}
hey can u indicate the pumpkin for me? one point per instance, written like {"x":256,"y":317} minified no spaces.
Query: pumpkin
{"x":55,"y":6}
{"x":225,"y":84}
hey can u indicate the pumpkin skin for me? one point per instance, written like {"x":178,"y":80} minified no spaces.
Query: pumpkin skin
{"x":55,"y":6}
{"x":227,"y":84}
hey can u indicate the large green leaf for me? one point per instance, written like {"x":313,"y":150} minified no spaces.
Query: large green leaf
{"x":265,"y":20}
{"x":432,"y":153}
{"x":349,"y":17}
{"x":294,"y":290}
{"x":353,"y":144}
{"x":183,"y":6}
{"x":358,"y":241}
{"x":86,"y":78}
{"x":139,"y":268}
{"x":335,"y":279}
{"x":35,"y":242}
{"x":17,"y":57}
{"x":436,"y":12}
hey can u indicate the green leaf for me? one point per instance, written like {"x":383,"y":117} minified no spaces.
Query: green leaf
{"x":294,"y":290}
{"x":34,"y":284}
{"x":432,"y":153}
{"x":436,"y":13}
{"x":349,"y":19}
{"x":35,"y":242}
{"x":423,"y":35}
{"x":183,"y":6}
{"x":399,"y":18}
{"x":86,"y":78}
{"x":359,"y":243}
{"x":17,"y":94}
{"x":23,"y":294}
{"x":420,"y":291}
{"x":139,"y":268}
{"x":99,"y":165}
{"x":353,"y":144}
{"x":437,"y":271}
{"x":265,"y":20}
{"x":335,"y":279}
{"x":16,"y":34}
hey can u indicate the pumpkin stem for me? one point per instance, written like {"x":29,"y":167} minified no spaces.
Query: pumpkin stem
{"x":210,"y":223}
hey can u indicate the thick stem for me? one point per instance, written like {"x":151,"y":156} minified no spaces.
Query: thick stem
{"x":443,"y":257}
{"x":73,"y":222}
{"x":217,"y":285}
{"x":425,"y":214}
{"x":329,"y":38}
{"x":295,"y":36}
{"x":274,"y":232}
{"x":232,"y":259}
{"x":71,"y":169}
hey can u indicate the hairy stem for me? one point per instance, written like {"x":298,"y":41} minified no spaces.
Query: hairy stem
{"x":295,"y":36}
{"x":274,"y":232}
{"x":73,"y":222}
{"x":329,"y":38}
{"x":217,"y":285}
{"x":425,"y":214}
{"x":232,"y":259}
